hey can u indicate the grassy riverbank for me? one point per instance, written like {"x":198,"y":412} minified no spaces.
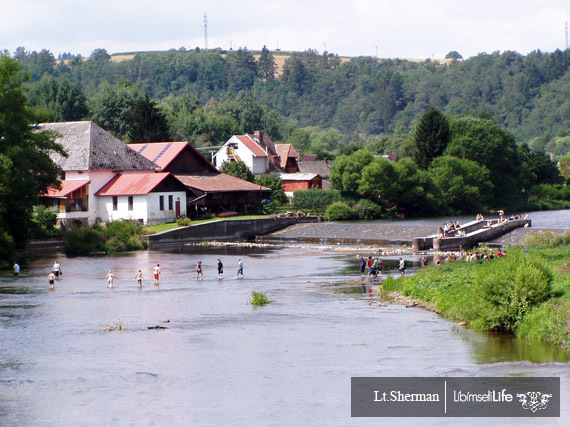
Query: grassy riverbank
{"x":526,"y":293}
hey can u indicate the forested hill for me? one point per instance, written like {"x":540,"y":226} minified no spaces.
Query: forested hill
{"x":205,"y":95}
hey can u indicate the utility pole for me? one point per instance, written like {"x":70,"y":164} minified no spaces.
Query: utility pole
{"x":376,"y":46}
{"x":205,"y":31}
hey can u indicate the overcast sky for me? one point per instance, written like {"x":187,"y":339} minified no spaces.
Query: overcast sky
{"x":390,"y":28}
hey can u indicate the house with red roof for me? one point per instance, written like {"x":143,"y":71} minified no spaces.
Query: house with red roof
{"x":105,"y":180}
{"x":207,"y":190}
{"x":259,"y":153}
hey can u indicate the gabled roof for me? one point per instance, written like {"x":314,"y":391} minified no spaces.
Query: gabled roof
{"x":163,"y":153}
{"x":67,"y":187}
{"x":132,"y":184}
{"x":322,"y":167}
{"x":219,"y":183}
{"x":285,"y":151}
{"x":252,"y":145}
{"x":89,"y":147}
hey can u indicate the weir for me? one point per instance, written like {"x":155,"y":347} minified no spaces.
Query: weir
{"x":475,"y":232}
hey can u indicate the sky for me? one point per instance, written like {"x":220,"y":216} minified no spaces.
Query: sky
{"x":417,"y":29}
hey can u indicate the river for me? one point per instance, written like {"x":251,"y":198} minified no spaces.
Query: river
{"x":223,"y":361}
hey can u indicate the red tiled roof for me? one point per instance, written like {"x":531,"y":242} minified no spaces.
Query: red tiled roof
{"x":285,"y":151}
{"x":132,"y":184}
{"x":252,"y":146}
{"x":161,"y":153}
{"x":218,"y":183}
{"x":67,"y":187}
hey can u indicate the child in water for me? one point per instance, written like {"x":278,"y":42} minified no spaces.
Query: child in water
{"x":139,"y":278}
{"x":110,"y":276}
{"x":51,"y":280}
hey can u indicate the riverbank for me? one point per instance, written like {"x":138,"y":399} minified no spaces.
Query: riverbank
{"x":526,"y":293}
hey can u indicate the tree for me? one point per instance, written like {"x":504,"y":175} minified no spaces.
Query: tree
{"x":271,"y":180}
{"x":239,"y":170}
{"x":26,"y":169}
{"x":379,"y":182}
{"x":453,"y":55}
{"x":431,"y":137}
{"x":488,"y":144}
{"x":113,"y":107}
{"x":465,"y":185}
{"x":346,"y":172}
{"x":62,"y":98}
{"x":266,"y":64}
{"x":149,"y":124}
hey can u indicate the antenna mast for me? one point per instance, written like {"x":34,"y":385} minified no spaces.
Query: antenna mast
{"x":205,"y":31}
{"x":566,"y":33}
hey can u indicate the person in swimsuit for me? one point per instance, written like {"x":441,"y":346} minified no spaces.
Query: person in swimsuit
{"x":139,"y":278}
{"x":156,"y":273}
{"x":199,"y":273}
{"x":110,"y":276}
{"x":51,"y":280}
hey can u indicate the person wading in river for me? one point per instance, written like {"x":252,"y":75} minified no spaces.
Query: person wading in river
{"x":220,"y":269}
{"x":199,"y":274}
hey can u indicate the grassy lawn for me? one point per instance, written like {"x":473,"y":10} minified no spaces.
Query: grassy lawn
{"x":159,"y":228}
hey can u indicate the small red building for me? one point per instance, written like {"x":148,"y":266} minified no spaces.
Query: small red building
{"x":300,"y":181}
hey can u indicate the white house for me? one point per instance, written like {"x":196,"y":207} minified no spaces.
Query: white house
{"x":95,"y":159}
{"x":259,"y":154}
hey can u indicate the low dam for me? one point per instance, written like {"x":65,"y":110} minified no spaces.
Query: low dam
{"x":471,"y":234}
{"x":238,"y":229}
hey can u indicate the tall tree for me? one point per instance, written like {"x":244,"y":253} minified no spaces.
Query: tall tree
{"x":26,"y":169}
{"x":62,"y":98}
{"x":266,"y":64}
{"x":431,"y":137}
{"x":149,"y":124}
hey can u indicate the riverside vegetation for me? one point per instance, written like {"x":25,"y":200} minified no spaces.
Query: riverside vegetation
{"x":526,"y":292}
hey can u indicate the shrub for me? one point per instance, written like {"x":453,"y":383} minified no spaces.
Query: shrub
{"x":366,"y":209}
{"x":84,"y":241}
{"x":507,"y":288}
{"x":259,"y":298}
{"x":339,"y":211}
{"x":547,"y":239}
{"x":315,"y":199}
{"x":183,"y":222}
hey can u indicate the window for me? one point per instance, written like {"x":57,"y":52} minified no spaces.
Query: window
{"x":170,"y":203}
{"x":161,"y":203}
{"x":131,"y":203}
{"x":115,"y":203}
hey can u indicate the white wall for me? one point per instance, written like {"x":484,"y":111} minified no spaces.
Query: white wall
{"x":258,"y":165}
{"x":145,"y":208}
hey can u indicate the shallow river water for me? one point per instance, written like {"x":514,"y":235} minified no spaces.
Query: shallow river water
{"x":222,"y":361}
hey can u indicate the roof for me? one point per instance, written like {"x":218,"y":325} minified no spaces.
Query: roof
{"x":298,"y":176}
{"x":163,"y":153}
{"x":132,"y":184}
{"x":322,"y":167}
{"x":251,"y":145}
{"x":67,"y":187}
{"x":89,"y":147}
{"x":285,"y":151}
{"x":219,"y":183}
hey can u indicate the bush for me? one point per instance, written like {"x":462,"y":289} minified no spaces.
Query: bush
{"x":339,"y":211}
{"x":547,"y":239}
{"x":44,"y":223}
{"x":259,"y":298}
{"x":507,"y":288}
{"x":84,"y":241}
{"x":183,"y":222}
{"x":366,"y":209}
{"x":315,"y":199}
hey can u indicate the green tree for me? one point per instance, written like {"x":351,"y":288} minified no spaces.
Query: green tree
{"x":148,"y":124}
{"x":26,"y":169}
{"x":239,"y":170}
{"x":489,"y":144}
{"x":431,"y":137}
{"x":65,"y":100}
{"x":346,"y":172}
{"x":266,"y":64}
{"x":379,"y":182}
{"x":113,"y":107}
{"x":272,"y":180}
{"x":465,"y":185}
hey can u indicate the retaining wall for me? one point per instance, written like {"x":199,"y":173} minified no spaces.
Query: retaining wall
{"x":238,"y":229}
